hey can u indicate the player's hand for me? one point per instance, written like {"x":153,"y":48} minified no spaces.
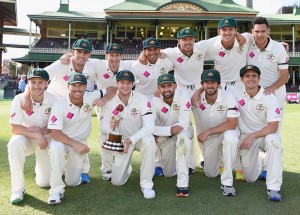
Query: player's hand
{"x":100,"y":102}
{"x":247,"y":142}
{"x":176,"y":129}
{"x":34,"y":129}
{"x":114,"y":123}
{"x":157,"y":93}
{"x":156,"y":138}
{"x":42,"y":141}
{"x":65,"y":59}
{"x":81,"y":148}
{"x":286,"y":46}
{"x":162,"y":55}
{"x":269,"y":90}
{"x":26,"y":103}
{"x":240,"y":39}
{"x":143,"y":58}
{"x":126,"y":145}
{"x":202,"y":137}
{"x":196,"y":97}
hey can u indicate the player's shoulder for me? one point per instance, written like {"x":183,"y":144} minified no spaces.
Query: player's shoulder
{"x":50,"y":97}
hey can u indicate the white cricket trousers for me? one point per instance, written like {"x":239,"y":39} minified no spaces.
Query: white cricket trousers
{"x":252,"y":163}
{"x":64,"y":158}
{"x":106,"y":155}
{"x":215,"y":146}
{"x":175,"y":154}
{"x":18,"y":148}
{"x":121,"y":167}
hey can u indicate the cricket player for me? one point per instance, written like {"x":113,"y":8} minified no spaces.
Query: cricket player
{"x":59,"y":74}
{"x":258,"y":123}
{"x":30,"y":135}
{"x":272,"y":59}
{"x":136,"y":126}
{"x":173,"y":131}
{"x":218,"y":114}
{"x":146,"y":75}
{"x":70,"y":123}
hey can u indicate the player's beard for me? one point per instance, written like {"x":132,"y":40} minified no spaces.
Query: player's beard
{"x":168,"y":94}
{"x":211,"y":91}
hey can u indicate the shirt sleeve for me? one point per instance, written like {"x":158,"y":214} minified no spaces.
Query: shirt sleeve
{"x":148,"y":121}
{"x":54,"y":69}
{"x":232,"y":107}
{"x":283,"y":58}
{"x":249,"y":37}
{"x":16,"y":113}
{"x":273,"y":110}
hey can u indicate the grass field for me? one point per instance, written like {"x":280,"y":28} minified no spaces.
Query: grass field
{"x":100,"y":197}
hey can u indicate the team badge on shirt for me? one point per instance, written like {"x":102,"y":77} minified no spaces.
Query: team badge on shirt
{"x":199,"y":56}
{"x":221,"y":108}
{"x":87,"y":107}
{"x":163,"y":70}
{"x":47,"y":111}
{"x":134,"y":112}
{"x":270,"y":57}
{"x":176,"y":107}
{"x":260,"y":107}
{"x":241,"y":49}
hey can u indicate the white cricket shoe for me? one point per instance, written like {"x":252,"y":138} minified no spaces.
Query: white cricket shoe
{"x":149,"y":193}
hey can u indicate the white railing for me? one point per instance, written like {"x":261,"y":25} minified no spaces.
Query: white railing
{"x":60,"y":51}
{"x":102,"y":52}
{"x":297,"y":54}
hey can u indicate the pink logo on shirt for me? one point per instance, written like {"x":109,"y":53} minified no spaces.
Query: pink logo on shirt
{"x":242,"y":102}
{"x":164,"y":110}
{"x":221,"y":54}
{"x":106,"y":76}
{"x":53,"y":119}
{"x":188,"y":105}
{"x":66,"y":77}
{"x":115,"y":112}
{"x":148,"y":105}
{"x":29,"y":113}
{"x":287,"y":59}
{"x":70,"y":115}
{"x":202,"y":107}
{"x":179,"y":60}
{"x":146,"y":74}
{"x":277,"y":111}
{"x":251,"y":54}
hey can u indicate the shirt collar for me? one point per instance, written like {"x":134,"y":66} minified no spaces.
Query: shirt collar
{"x":180,"y":54}
{"x":218,"y":100}
{"x":257,"y":96}
{"x":129,"y":100}
{"x":236,"y":44}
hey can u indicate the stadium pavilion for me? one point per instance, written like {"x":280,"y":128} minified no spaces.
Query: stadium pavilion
{"x":130,"y":22}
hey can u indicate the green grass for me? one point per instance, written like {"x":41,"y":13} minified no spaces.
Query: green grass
{"x":100,"y":197}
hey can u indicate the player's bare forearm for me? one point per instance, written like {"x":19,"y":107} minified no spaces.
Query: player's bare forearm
{"x":229,"y":124}
{"x":271,"y":128}
{"x":26,"y":103}
{"x":22,"y":130}
{"x":282,"y":80}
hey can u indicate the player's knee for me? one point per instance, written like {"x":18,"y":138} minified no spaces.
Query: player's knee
{"x":230,"y":137}
{"x":16,"y":143}
{"x":211,"y":173}
{"x":250,"y":178}
{"x":43,"y":183}
{"x":56,"y":147}
{"x":117,"y":181}
{"x":149,"y":143}
{"x":273,"y":139}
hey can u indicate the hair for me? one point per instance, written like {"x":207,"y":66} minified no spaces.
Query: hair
{"x":260,"y":21}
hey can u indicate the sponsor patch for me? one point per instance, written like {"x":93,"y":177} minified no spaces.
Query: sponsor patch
{"x":106,"y":76}
{"x":188,"y":105}
{"x":221,"y":54}
{"x":148,"y":105}
{"x":53,"y":119}
{"x":179,"y":60}
{"x":29,"y":113}
{"x":251,"y":54}
{"x":164,"y":110}
{"x":70,"y":115}
{"x":202,"y":107}
{"x":66,"y":78}
{"x":146,"y":74}
{"x":242,"y":102}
